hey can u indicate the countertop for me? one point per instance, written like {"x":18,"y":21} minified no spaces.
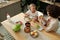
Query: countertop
{"x":7,"y":3}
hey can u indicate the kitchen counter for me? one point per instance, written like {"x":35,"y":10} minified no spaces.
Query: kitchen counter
{"x":3,"y":4}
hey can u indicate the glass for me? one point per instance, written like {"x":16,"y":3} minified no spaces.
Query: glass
{"x":36,"y":27}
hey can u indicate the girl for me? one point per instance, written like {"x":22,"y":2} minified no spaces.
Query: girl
{"x":52,"y":21}
{"x":32,"y":13}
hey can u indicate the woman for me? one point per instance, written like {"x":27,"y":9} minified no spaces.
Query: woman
{"x":52,"y":21}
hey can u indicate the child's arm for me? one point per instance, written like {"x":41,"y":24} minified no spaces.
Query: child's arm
{"x":26,"y":15}
{"x":41,"y":18}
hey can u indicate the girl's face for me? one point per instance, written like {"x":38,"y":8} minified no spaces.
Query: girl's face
{"x":33,"y":9}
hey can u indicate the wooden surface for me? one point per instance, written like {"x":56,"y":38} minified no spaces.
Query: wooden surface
{"x":18,"y":36}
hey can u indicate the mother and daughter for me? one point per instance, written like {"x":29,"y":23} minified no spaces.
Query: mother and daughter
{"x":48,"y":24}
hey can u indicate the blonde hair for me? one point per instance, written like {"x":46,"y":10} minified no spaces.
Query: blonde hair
{"x":31,"y":5}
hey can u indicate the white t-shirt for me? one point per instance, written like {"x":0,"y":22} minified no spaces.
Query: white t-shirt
{"x":53,"y":25}
{"x":32,"y":15}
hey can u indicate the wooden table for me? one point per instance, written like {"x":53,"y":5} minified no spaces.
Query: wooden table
{"x":18,"y":36}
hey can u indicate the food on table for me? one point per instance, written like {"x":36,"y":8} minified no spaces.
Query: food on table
{"x":34,"y":33}
{"x":27,"y":24}
{"x":19,"y":22}
{"x":38,"y":27}
{"x":17,"y":27}
{"x":35,"y":30}
{"x":27,"y":28}
{"x":26,"y":19}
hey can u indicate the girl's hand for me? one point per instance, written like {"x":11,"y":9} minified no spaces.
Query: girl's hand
{"x":36,"y":19}
{"x":26,"y":15}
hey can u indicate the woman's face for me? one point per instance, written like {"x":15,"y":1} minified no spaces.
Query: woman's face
{"x":33,"y":8}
